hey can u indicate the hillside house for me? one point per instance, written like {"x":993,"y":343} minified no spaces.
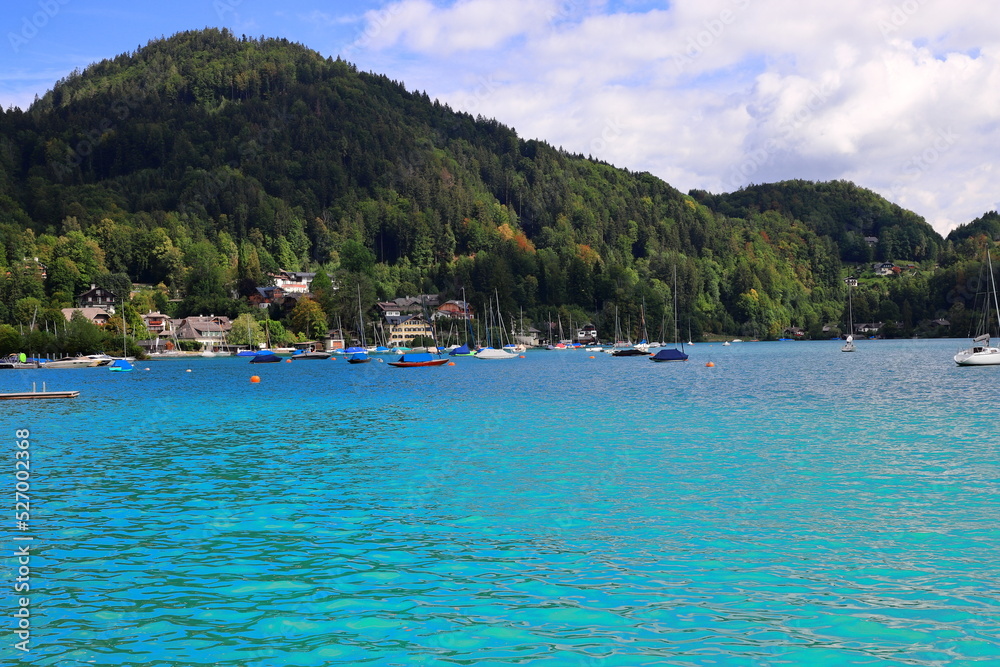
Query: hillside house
{"x":293,"y":282}
{"x":98,"y":297}
{"x":98,"y":316}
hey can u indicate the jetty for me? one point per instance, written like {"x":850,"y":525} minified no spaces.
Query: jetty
{"x":34,"y":393}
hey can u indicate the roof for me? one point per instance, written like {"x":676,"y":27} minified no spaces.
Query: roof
{"x":98,"y":291}
{"x":395,"y":320}
{"x":91,"y":313}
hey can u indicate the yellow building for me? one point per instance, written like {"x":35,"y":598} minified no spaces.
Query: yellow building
{"x":407,"y":328}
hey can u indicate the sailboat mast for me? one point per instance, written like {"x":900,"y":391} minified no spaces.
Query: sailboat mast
{"x":675,"y":310}
{"x":850,"y":309}
{"x":361,"y":318}
{"x":996,"y":308}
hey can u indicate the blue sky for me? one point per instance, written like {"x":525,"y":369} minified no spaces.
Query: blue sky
{"x":900,"y":96}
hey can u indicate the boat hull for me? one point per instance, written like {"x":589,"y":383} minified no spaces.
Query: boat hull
{"x":80,"y":362}
{"x":415,"y":364}
{"x":631,"y":352}
{"x":493,"y":354}
{"x":986,"y":356}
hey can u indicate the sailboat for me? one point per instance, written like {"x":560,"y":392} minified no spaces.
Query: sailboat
{"x":359,"y":357}
{"x":123,"y":364}
{"x":849,"y":345}
{"x":492,"y":353}
{"x":668,"y":353}
{"x":981,"y":353}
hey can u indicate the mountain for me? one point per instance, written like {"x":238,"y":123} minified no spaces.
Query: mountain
{"x":204,"y":162}
{"x":841,"y":211}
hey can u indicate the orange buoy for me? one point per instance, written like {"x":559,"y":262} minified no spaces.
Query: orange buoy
{"x":710,"y":365}
{"x":450,"y":363}
{"x":591,"y":356}
{"x":255,"y":378}
{"x":288,"y":361}
{"x":522,"y":356}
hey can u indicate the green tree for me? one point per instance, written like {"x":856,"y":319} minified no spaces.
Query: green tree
{"x":356,"y":258}
{"x":80,"y":336}
{"x":10,"y":340}
{"x":246,"y":330}
{"x":308,"y":318}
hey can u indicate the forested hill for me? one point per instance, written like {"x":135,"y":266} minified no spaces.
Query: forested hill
{"x":203,"y":162}
{"x":842,"y":211}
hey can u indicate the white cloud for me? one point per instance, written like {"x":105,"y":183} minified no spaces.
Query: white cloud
{"x":901,"y":96}
{"x":465,"y":26}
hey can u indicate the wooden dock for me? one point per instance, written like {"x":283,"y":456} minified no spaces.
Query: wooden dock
{"x":34,"y":393}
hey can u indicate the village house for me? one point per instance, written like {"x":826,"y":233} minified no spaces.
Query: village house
{"x":403,"y":329}
{"x":265,"y":296}
{"x":98,"y":316}
{"x":885,"y":269}
{"x":870,"y":328}
{"x":293,"y":282}
{"x":334,"y":340}
{"x":33,"y":267}
{"x":457,"y":310}
{"x":157,"y":323}
{"x":97,"y":297}
{"x":209,"y":330}
{"x":408,"y":305}
{"x":532,"y":338}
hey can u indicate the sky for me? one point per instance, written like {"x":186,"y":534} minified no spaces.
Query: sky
{"x":898,"y":96}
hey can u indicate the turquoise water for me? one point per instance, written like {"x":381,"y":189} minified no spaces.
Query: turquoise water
{"x":793,"y":505}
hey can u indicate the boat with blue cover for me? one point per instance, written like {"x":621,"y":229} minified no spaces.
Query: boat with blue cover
{"x":358,"y":358}
{"x":669,"y":354}
{"x":120,"y":365}
{"x":672,"y":354}
{"x":415,"y":359}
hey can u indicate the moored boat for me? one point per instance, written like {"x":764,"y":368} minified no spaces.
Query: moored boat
{"x":75,"y":362}
{"x":358,"y":358}
{"x":630,"y":352}
{"x":417,"y":359}
{"x":312,"y":354}
{"x":669,"y":354}
{"x":494,"y":354}
{"x":981,"y":353}
{"x":18,"y":362}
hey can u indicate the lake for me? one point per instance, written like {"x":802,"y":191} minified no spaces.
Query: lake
{"x":792,"y":505}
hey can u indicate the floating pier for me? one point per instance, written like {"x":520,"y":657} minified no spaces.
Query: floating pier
{"x":34,"y":393}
